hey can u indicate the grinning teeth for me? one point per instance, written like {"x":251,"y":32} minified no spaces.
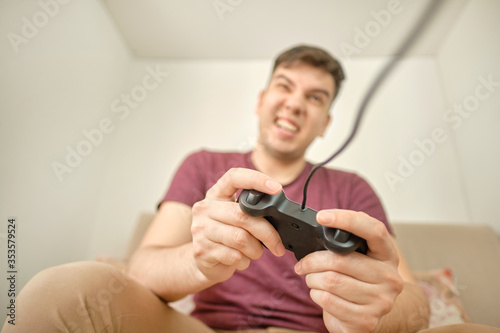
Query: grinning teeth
{"x":286,"y":125}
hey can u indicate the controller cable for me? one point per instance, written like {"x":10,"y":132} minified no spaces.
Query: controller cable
{"x":424,"y":19}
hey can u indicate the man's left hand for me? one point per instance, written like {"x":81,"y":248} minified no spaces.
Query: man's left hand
{"x":354,"y":290}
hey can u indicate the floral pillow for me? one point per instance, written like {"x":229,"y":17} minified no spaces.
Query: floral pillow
{"x":443,"y":295}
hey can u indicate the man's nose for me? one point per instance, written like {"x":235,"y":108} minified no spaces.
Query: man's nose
{"x":295,"y":103}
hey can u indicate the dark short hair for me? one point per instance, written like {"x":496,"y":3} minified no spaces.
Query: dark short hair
{"x":315,"y":57}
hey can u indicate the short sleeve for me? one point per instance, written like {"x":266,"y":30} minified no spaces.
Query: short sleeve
{"x":364,"y":199}
{"x":188,"y":185}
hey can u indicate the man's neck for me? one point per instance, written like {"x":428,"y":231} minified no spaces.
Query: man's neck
{"x":285,"y":171}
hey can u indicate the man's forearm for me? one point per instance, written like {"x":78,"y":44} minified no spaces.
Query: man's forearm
{"x":410,"y":312}
{"x":171,"y":273}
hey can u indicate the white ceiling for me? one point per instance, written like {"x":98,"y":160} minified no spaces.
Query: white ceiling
{"x":262,"y":28}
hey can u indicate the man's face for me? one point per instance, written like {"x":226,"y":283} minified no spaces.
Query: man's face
{"x":293,"y":110}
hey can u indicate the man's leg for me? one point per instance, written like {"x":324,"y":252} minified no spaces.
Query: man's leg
{"x":94,"y":297}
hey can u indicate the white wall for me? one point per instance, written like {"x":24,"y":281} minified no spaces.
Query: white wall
{"x":468,"y":58}
{"x":395,"y":148}
{"x":56,"y":79}
{"x":200,"y":104}
{"x":76,"y":72}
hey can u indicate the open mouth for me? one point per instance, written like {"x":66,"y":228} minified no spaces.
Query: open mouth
{"x":287,"y":126}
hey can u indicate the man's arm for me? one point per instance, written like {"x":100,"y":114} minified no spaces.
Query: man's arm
{"x":410,"y":312}
{"x":186,"y":249}
{"x":164,"y":261}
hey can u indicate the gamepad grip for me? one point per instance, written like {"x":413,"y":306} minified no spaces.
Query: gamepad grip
{"x":298,"y":229}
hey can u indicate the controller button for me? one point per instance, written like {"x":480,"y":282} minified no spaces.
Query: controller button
{"x":254,"y":197}
{"x":341,"y":236}
{"x":295,"y":226}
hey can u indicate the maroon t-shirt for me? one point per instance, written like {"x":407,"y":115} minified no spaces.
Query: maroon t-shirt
{"x":268,"y":292}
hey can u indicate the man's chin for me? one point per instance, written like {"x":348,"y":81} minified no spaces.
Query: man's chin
{"x":286,"y":155}
{"x":282,"y":150}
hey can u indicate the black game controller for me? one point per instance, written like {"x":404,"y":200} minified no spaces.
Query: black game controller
{"x":298,"y":229}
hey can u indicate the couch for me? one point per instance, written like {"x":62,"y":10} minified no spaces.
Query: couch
{"x":458,"y":265}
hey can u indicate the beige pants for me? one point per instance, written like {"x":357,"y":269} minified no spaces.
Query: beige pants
{"x":96,"y":297}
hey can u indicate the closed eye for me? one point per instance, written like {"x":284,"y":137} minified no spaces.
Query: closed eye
{"x":316,"y":99}
{"x":283,"y":82}
{"x":284,"y":86}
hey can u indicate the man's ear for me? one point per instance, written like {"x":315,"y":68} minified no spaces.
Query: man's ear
{"x":328,"y":120}
{"x":260,"y":100}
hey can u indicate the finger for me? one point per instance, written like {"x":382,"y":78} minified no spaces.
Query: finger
{"x":342,"y":316}
{"x":238,"y":178}
{"x":216,"y":254}
{"x":234,"y":258}
{"x":343,"y":286}
{"x":259,"y":228}
{"x":361,"y":224}
{"x":212,"y":253}
{"x":355,"y":265}
{"x":350,"y":300}
{"x":361,"y":270}
{"x":236,"y":238}
{"x":343,"y":310}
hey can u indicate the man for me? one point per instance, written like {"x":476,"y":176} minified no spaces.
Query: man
{"x":214,"y":249}
{"x":201,"y":243}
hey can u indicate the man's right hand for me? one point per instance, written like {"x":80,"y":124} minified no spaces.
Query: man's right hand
{"x":225,"y":238}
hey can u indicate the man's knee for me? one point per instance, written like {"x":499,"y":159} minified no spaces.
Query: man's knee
{"x":72,"y":297}
{"x":100,"y":279}
{"x":83,"y":287}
